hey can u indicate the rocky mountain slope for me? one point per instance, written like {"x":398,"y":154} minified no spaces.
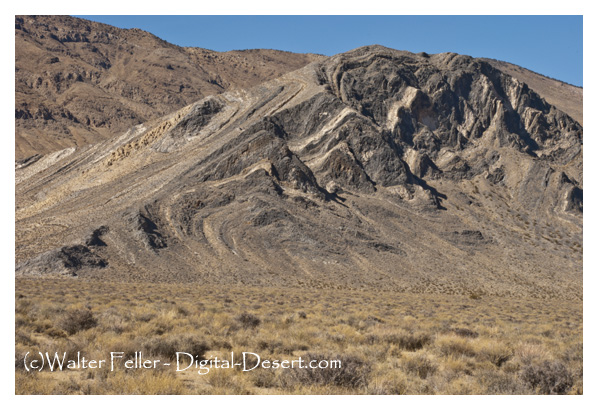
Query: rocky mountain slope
{"x":374,"y":168}
{"x":79,"y":82}
{"x":566,"y":97}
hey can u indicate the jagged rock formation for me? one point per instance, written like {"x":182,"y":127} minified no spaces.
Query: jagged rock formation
{"x":566,"y":97}
{"x":374,"y":168}
{"x":79,"y":81}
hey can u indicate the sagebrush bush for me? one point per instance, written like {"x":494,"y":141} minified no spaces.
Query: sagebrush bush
{"x":528,"y":353}
{"x":353,"y":372}
{"x":248,"y":320}
{"x":169,"y":346}
{"x":393,"y":383}
{"x":550,"y":377}
{"x":74,"y":321}
{"x":420,"y":364}
{"x":498,"y":382}
{"x":495,"y":352}
{"x":408,"y":341}
{"x":465,"y":332}
{"x":457,"y":346}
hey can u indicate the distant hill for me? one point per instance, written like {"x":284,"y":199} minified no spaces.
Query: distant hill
{"x":80,"y":82}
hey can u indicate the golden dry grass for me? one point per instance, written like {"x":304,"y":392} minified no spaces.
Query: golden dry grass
{"x":389,"y":343}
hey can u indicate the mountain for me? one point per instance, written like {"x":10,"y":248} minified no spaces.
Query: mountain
{"x":372,"y":169}
{"x":79,"y":82}
{"x":566,"y":97}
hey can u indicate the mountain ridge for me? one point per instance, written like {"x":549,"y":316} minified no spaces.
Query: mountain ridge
{"x":79,"y":82}
{"x":567,"y":97}
{"x":71,"y":90}
{"x":374,"y":168}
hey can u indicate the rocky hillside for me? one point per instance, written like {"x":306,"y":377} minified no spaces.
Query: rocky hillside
{"x":79,"y":82}
{"x":566,"y":97}
{"x":374,"y":169}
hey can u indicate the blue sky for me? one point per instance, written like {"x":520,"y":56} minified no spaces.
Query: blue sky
{"x":550,"y":45}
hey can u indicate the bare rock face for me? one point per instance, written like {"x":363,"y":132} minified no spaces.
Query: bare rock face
{"x":565,"y":97}
{"x":371,"y":169}
{"x":68,"y":260}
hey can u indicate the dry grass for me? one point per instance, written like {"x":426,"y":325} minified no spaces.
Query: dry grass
{"x":388,"y":343}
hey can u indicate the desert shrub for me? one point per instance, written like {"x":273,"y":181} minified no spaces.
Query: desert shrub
{"x":550,"y":377}
{"x":498,"y":382}
{"x":374,"y":319}
{"x":455,"y":346}
{"x":165,"y":347}
{"x":573,"y":353}
{"x":24,"y":337}
{"x":115,"y":321}
{"x":371,"y":339}
{"x":223,"y":382}
{"x":168,"y":346}
{"x":465,"y":332}
{"x":289,"y":347}
{"x":420,"y":364}
{"x":55,"y":333}
{"x":270,"y":346}
{"x":182,"y":311}
{"x":353,"y":372}
{"x":247,"y":320}
{"x":193,"y":345}
{"x":19,"y":357}
{"x":262,"y":378}
{"x":528,"y":353}
{"x":21,"y":320}
{"x":41,"y":326}
{"x":408,"y":341}
{"x":146,"y":317}
{"x":393,"y":383}
{"x":74,"y":321}
{"x":495,"y":352}
{"x":154,"y":382}
{"x":295,"y":316}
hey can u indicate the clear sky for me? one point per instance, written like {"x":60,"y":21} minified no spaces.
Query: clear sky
{"x":550,"y":45}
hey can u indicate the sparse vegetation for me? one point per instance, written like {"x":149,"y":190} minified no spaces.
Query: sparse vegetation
{"x":388,"y":343}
